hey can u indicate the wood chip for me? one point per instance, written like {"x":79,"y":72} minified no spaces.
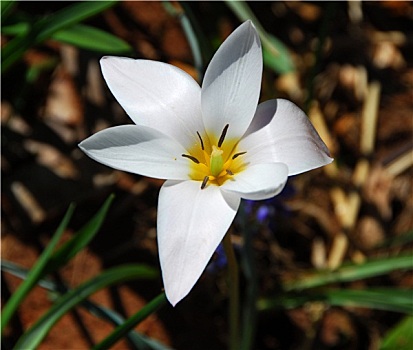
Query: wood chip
{"x":28,"y":202}
{"x":63,"y":103}
{"x":52,"y":159}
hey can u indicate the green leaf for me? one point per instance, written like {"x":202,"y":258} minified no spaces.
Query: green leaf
{"x":80,"y":240}
{"x":181,"y":14}
{"x":282,"y":62}
{"x":275,"y":53}
{"x":44,"y":28}
{"x":22,"y":273}
{"x":139,"y":340}
{"x":91,"y":38}
{"x":79,"y":35}
{"x":351,"y":272}
{"x":389,"y":299}
{"x":130,"y":323}
{"x":36,"y":272}
{"x":33,"y":336}
{"x":400,"y":337}
{"x":6,"y":7}
{"x":20,"y":28}
{"x":69,"y":16}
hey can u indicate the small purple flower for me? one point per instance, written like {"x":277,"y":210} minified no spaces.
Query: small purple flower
{"x":264,"y":211}
{"x":218,"y":261}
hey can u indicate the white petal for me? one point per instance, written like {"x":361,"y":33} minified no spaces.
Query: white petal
{"x":138,"y":149}
{"x":157,"y":95}
{"x":191,"y":224}
{"x":281,"y":132}
{"x":232,"y":83}
{"x":260,"y":181}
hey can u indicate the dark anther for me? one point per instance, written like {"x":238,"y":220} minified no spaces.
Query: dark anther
{"x":229,"y":172}
{"x":222,"y":138}
{"x":196,"y":161}
{"x":200,"y":139}
{"x":204,"y":182}
{"x":238,"y":154}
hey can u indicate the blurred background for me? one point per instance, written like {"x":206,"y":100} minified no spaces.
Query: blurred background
{"x":348,"y":64}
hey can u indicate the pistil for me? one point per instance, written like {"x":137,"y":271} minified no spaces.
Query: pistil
{"x":217,"y":162}
{"x":214,"y":165}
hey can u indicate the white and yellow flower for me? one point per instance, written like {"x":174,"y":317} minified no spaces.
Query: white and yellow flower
{"x":213,"y":145}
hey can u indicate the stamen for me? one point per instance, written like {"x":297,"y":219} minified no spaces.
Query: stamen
{"x":204,"y":182}
{"x":222,"y":138}
{"x":200,"y":139}
{"x":229,"y":172}
{"x":238,"y":154}
{"x":196,"y":161}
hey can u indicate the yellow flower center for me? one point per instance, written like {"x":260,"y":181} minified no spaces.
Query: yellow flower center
{"x":214,"y":162}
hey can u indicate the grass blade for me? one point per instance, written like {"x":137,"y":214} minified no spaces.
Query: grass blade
{"x":35,"y":273}
{"x":44,"y":28}
{"x":16,"y":29}
{"x":6,"y":7}
{"x":93,"y":39}
{"x":179,"y":12}
{"x":275,"y":53}
{"x":130,"y":323}
{"x":389,"y":299}
{"x":139,"y":340}
{"x":400,"y":337}
{"x":22,"y":273}
{"x":352,"y":272}
{"x":79,"y":35}
{"x":79,"y":240}
{"x":33,"y":336}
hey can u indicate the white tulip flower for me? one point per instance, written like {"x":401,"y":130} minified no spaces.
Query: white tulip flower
{"x":213,"y":145}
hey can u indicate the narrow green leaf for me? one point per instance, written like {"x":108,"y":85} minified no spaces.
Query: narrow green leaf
{"x":33,"y":336}
{"x":34,"y":70}
{"x":91,"y":38}
{"x":389,"y":299}
{"x":6,"y":7}
{"x":281,"y":63}
{"x":22,"y":273}
{"x":352,"y":272}
{"x":130,"y":323}
{"x":275,"y":53}
{"x":139,"y":340}
{"x":36,"y":272}
{"x":69,"y":16}
{"x":46,"y":27}
{"x":79,"y":35}
{"x":400,"y":337}
{"x":20,"y":28}
{"x":80,"y":240}
{"x":181,"y":15}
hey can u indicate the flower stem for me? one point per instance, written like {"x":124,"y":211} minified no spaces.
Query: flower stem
{"x":233,"y":281}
